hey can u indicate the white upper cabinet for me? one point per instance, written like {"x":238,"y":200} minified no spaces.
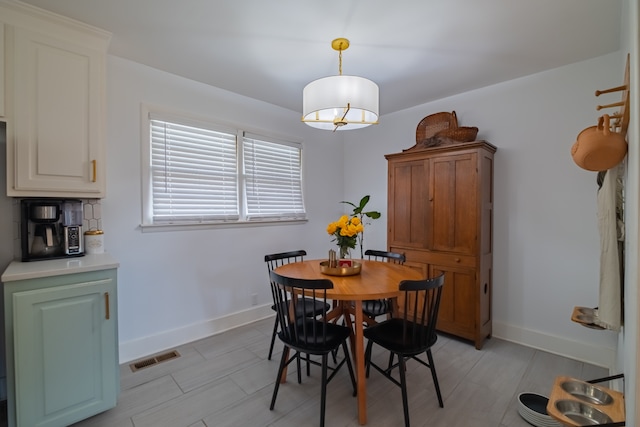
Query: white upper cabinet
{"x":55,"y":107}
{"x":57,"y":119}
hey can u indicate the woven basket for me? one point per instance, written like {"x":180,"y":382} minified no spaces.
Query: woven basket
{"x":435,"y":123}
{"x":462,"y":134}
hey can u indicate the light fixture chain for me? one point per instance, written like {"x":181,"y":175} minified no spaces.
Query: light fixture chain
{"x":340,"y":62}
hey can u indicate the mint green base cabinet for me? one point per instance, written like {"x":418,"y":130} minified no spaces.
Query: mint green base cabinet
{"x":62,"y":353}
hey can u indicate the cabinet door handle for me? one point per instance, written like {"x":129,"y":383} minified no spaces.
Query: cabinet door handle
{"x":106,"y":305}
{"x":94,"y":167}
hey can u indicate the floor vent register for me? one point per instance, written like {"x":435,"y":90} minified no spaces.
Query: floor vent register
{"x":145,"y":363}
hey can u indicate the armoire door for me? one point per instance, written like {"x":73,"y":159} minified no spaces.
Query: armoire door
{"x":457,"y":313}
{"x":407,"y":203}
{"x":453,"y":202}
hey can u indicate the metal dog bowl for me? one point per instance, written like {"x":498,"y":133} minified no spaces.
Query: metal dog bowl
{"x":587,"y":392}
{"x":582,"y":413}
{"x":588,"y":321}
{"x":587,"y":310}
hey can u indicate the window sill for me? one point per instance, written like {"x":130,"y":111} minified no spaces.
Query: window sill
{"x":154,"y":228}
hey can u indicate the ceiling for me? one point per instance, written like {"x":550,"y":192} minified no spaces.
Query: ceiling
{"x":415,"y":50}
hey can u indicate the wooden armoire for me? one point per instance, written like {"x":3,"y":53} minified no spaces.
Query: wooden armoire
{"x":440,"y":213}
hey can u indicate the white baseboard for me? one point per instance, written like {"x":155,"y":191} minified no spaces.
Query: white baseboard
{"x":143,"y":347}
{"x":584,"y":352}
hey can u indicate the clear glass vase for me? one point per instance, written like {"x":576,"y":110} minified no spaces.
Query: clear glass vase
{"x":345,"y":252}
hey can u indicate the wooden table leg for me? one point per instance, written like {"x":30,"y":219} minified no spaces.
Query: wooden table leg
{"x":283,"y":378}
{"x":349,"y":324}
{"x":358,"y":354}
{"x":335,"y":313}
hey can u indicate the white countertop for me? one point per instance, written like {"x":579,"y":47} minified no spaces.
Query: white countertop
{"x":18,"y":270}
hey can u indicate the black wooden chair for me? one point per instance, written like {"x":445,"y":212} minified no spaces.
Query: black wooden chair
{"x":301,"y":332}
{"x":374,"y":308}
{"x":315,"y":308}
{"x":410,"y":334}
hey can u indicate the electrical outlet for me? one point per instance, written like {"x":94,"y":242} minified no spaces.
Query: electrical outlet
{"x":254,"y":299}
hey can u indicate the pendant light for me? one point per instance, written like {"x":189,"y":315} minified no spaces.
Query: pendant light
{"x":340,"y":102}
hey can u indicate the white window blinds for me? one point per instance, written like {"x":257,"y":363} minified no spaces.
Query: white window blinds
{"x":273,"y":179}
{"x":194,"y":173}
{"x":205,"y":173}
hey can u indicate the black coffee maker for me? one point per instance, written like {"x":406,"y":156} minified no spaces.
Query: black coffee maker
{"x":51,"y":228}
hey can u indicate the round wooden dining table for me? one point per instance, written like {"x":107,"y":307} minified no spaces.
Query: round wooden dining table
{"x":376,"y":280}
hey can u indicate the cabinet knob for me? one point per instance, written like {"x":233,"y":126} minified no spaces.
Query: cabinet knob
{"x":457,"y":259}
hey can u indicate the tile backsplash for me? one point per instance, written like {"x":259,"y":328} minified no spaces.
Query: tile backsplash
{"x":91,"y":209}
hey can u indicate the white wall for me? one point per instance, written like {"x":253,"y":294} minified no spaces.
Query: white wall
{"x":182,"y":285}
{"x":178,"y":286}
{"x":546,"y":245}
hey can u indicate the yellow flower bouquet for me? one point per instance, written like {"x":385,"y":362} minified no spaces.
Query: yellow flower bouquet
{"x":345,"y":232}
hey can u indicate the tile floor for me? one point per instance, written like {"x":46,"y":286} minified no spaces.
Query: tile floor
{"x":226,"y":380}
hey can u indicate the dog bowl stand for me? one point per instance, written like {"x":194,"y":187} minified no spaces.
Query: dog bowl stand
{"x":613,"y":410}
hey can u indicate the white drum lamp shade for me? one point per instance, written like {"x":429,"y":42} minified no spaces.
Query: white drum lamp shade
{"x":325,"y":100}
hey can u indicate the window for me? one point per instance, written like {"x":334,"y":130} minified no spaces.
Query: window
{"x":202,"y":173}
{"x":273,"y":179}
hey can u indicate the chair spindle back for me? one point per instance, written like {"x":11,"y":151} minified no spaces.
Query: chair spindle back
{"x":291,"y":296}
{"x":394,"y":257}
{"x":420,"y":311}
{"x":277,"y":260}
